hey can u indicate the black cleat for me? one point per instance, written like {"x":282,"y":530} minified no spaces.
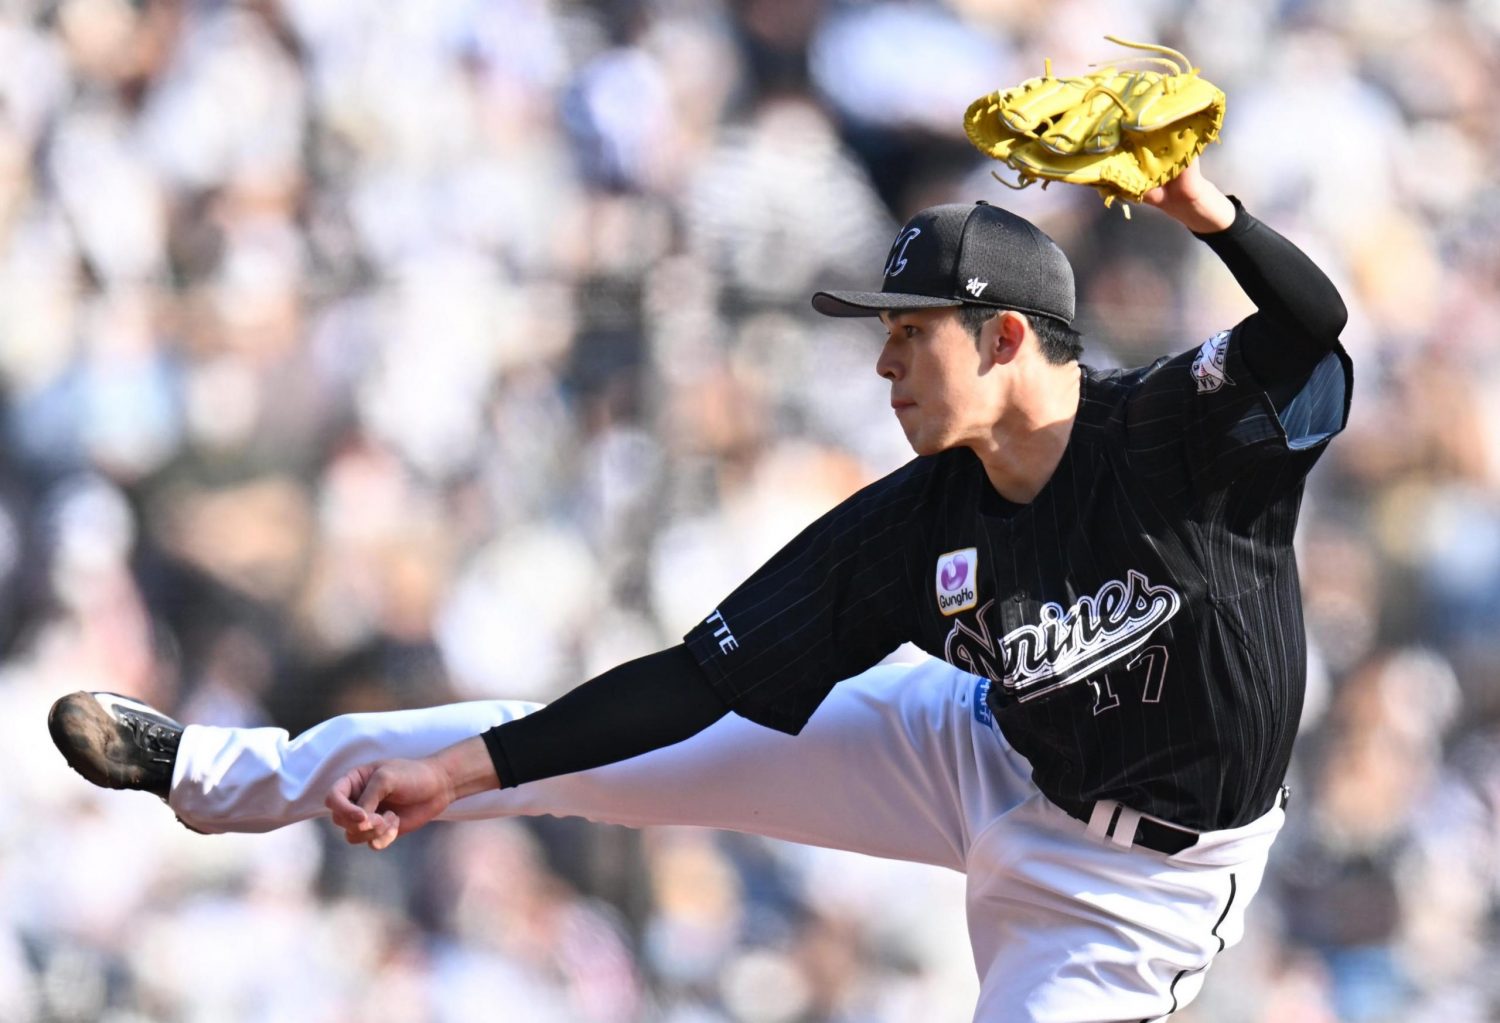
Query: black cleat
{"x":116,"y":742}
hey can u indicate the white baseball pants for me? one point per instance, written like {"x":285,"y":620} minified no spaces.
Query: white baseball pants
{"x":1067,"y":925}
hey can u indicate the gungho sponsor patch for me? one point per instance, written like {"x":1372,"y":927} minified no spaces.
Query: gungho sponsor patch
{"x":1208,"y":366}
{"x":957,"y":580}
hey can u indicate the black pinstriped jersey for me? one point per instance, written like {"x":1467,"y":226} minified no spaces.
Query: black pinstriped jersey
{"x":1137,"y":626}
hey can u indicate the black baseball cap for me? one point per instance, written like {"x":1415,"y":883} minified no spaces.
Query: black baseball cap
{"x":965,"y":254}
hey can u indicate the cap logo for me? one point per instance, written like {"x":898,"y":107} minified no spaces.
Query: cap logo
{"x":897,"y":262}
{"x":976,"y":287}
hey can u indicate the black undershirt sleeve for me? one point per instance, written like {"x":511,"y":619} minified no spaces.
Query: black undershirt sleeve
{"x":640,"y":706}
{"x":1300,"y":314}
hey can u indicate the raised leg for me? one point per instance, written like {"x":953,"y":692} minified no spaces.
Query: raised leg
{"x":893,"y":764}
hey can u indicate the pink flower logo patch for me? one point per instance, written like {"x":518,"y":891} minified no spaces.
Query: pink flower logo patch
{"x":957,"y":580}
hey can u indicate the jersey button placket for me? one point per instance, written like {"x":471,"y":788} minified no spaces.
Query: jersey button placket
{"x":1011,"y":612}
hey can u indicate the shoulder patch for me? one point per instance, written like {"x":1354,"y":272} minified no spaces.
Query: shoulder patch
{"x":1208,"y":366}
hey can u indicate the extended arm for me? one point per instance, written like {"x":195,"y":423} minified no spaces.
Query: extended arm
{"x":640,"y":706}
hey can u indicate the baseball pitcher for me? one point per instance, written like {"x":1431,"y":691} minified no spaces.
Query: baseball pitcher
{"x":1099,"y":563}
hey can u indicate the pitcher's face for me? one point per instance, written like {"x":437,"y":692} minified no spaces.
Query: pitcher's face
{"x":940,"y":389}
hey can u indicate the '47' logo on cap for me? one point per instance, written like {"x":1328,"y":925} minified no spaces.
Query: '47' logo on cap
{"x":957,"y":580}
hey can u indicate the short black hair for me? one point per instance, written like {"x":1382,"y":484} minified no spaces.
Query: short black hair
{"x":1060,"y":343}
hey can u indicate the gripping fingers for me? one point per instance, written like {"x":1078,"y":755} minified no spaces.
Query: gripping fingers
{"x":378,"y":831}
{"x":387,"y":829}
{"x":345,"y":814}
{"x":355,"y":805}
{"x":380,"y":785}
{"x":340,"y":800}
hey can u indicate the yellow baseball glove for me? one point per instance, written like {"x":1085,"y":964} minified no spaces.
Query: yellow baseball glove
{"x":1121,"y":132}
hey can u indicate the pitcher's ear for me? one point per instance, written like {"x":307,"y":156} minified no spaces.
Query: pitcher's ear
{"x":1004,"y":334}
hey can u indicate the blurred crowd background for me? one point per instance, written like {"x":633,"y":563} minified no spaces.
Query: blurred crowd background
{"x":362,"y":355}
